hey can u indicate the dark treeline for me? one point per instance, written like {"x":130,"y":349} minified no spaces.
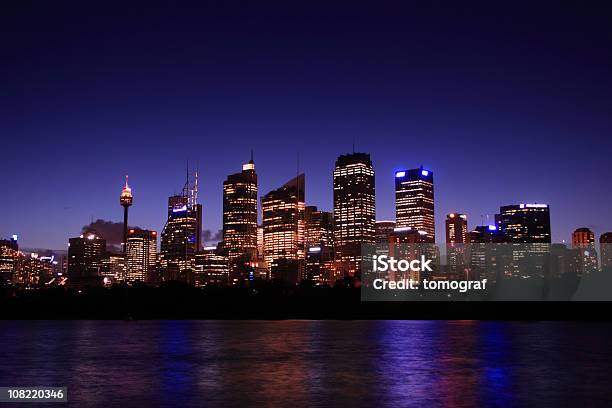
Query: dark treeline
{"x":264,"y":300}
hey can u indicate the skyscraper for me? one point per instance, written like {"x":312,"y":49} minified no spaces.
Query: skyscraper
{"x":211,"y":268}
{"x":85,"y":258}
{"x":456,"y":229}
{"x":414,"y":200}
{"x":525,"y":223}
{"x":457,"y":237}
{"x":583,"y":240}
{"x":605,"y":242}
{"x":125,"y":199}
{"x":319,"y":245}
{"x":319,"y":227}
{"x":528,"y":225}
{"x":8,"y":259}
{"x":141,"y":255}
{"x":284,"y":225}
{"x":240,"y":216}
{"x":583,"y":237}
{"x":181,"y":236}
{"x":354,"y":210}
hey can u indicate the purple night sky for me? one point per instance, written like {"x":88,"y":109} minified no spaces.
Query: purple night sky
{"x":504,"y":105}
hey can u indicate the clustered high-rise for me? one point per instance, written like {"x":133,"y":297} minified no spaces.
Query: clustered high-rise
{"x":354,"y":210}
{"x":240,"y":219}
{"x":296,"y":242}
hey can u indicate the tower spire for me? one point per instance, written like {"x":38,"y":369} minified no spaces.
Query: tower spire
{"x":125,"y":200}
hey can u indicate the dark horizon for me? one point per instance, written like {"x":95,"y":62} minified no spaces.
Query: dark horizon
{"x":504,"y":105}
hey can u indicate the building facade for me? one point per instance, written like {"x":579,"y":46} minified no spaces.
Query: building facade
{"x":85,"y":259}
{"x":605,"y":244}
{"x":240,"y":216}
{"x":525,"y":223}
{"x":211,"y":268}
{"x":354,"y":210}
{"x":456,"y":229}
{"x":141,"y":255}
{"x":180,"y":238}
{"x":414,"y":200}
{"x":283,"y":215}
{"x":9,"y":250}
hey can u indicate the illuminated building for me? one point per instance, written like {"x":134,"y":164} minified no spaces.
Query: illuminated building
{"x":8,"y":259}
{"x":85,"y":259}
{"x":33,"y":270}
{"x":605,"y":242}
{"x":487,"y":234}
{"x":525,"y":223}
{"x":319,"y":227}
{"x":583,"y":237}
{"x":414,"y":200}
{"x":125,"y":199}
{"x":284,"y":224}
{"x":583,"y":240}
{"x":320,"y":266}
{"x":182,"y":234}
{"x":384,"y":230}
{"x":319,"y":245}
{"x":260,"y":242}
{"x":456,"y":228}
{"x":456,"y":238}
{"x":486,"y":258}
{"x":211,"y":268}
{"x":141,"y":255}
{"x":410,"y":243}
{"x":354,"y":210}
{"x":114,"y":266}
{"x":240,"y":217}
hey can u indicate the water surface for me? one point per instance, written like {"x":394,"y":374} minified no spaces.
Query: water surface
{"x":312,"y":363}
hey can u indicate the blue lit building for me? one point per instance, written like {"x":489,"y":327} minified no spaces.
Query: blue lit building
{"x":414,"y":200}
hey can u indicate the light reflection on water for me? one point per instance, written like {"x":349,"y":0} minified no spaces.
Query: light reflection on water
{"x":324,"y":363}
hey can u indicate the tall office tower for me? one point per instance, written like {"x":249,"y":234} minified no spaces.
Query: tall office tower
{"x":211,"y":268}
{"x":414,"y":200}
{"x":8,"y":259}
{"x":125,"y":199}
{"x":354,"y":210}
{"x":525,"y":223}
{"x":319,"y":227}
{"x":583,"y":237}
{"x":583,"y":240}
{"x":529,"y":225}
{"x":85,"y":259}
{"x":605,"y":242}
{"x":284,"y":224}
{"x":141,"y":255}
{"x":456,"y":238}
{"x":240,"y":216}
{"x":456,"y":229}
{"x":319,"y":246}
{"x":182,"y":234}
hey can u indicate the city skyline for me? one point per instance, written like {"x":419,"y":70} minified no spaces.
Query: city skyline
{"x":440,"y":218}
{"x":500,"y":105}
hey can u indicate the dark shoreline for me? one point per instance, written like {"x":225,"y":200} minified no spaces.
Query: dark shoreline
{"x":178,"y":301}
